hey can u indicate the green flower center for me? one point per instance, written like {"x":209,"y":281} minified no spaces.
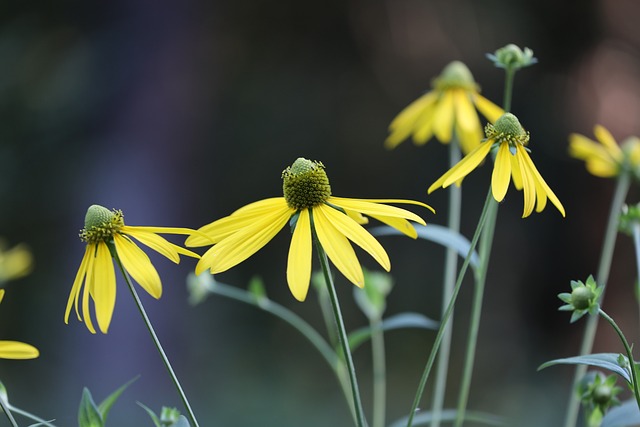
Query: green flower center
{"x":100,"y":224}
{"x":581,"y":297}
{"x":456,"y":75}
{"x":305,"y":184}
{"x":507,"y":129}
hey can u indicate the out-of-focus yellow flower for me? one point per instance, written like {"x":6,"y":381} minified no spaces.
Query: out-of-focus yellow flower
{"x":605,"y":158}
{"x":16,"y":349}
{"x":512,"y":162}
{"x":15,"y":262}
{"x":312,"y":212}
{"x":106,"y":236}
{"x":451,"y":104}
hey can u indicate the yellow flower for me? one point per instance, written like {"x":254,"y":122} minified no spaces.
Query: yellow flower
{"x":16,"y":349}
{"x":512,"y":162}
{"x":450,"y":104}
{"x":106,"y":236}
{"x":312,"y":212}
{"x":605,"y":158}
{"x":15,"y":262}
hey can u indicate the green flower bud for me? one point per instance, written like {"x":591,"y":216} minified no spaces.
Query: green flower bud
{"x":305,"y":184}
{"x":512,"y":57}
{"x":582,"y":297}
{"x":507,"y":129}
{"x":602,"y":394}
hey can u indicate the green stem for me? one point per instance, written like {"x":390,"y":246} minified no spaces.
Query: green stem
{"x":627,"y":347}
{"x":508,"y":88}
{"x":451,"y":264}
{"x":635,"y":233}
{"x":449,"y":310}
{"x":604,"y":267}
{"x":156,"y":341}
{"x":30,"y":416}
{"x":7,"y":412}
{"x":379,"y":373}
{"x":342,"y":334}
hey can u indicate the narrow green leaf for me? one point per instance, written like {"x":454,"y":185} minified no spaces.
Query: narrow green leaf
{"x":152,"y":414}
{"x":107,"y":403}
{"x":607,"y":361}
{"x":437,"y":234}
{"x":398,"y":321}
{"x":88,"y":413}
{"x":625,"y":415}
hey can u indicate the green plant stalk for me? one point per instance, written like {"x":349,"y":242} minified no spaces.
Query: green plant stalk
{"x":449,"y":281}
{"x":627,"y":348}
{"x":486,"y":242}
{"x":297,"y":323}
{"x":635,"y":232}
{"x":342,"y":333}
{"x":379,"y":372}
{"x":29,"y":415}
{"x":7,"y":413}
{"x":604,"y":267}
{"x":156,"y":341}
{"x":447,"y":314}
{"x":510,"y":74}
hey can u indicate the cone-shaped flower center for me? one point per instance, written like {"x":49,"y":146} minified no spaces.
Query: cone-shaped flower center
{"x":507,"y":129}
{"x":455,"y":75}
{"x":100,"y":224}
{"x":305,"y":184}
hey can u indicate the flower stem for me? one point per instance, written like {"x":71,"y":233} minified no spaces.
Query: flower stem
{"x":447,"y":314}
{"x":508,"y":88}
{"x":627,"y":347}
{"x":635,"y":232}
{"x":604,"y":267}
{"x":7,"y":412}
{"x":156,"y":341}
{"x":379,"y":372}
{"x":31,"y":416}
{"x":451,"y":264}
{"x":342,"y":334}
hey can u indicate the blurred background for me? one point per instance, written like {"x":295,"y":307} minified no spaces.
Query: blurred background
{"x":180,"y":112}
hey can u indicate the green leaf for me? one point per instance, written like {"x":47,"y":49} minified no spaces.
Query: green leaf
{"x":88,"y":413}
{"x":609,"y":361}
{"x":398,"y":321}
{"x":152,"y":414}
{"x":437,"y":234}
{"x":480,"y":418}
{"x":625,"y":415}
{"x":182,"y":422}
{"x":107,"y":403}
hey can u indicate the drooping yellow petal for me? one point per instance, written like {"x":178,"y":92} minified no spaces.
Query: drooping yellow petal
{"x":238,"y":220}
{"x":338,"y":248}
{"x":423,"y":126}
{"x":528,"y":182}
{"x":400,"y":224}
{"x":379,"y":207}
{"x":138,"y":265}
{"x":2,"y":294}
{"x":443,"y":117}
{"x":404,"y":123}
{"x":463,"y":167}
{"x":488,"y":109}
{"x":241,"y":245}
{"x":356,"y":233}
{"x":87,"y":289}
{"x":299,"y":261}
{"x":501,"y":173}
{"x":77,"y":283}
{"x":158,"y":244}
{"x":466,"y":116}
{"x":605,"y":137}
{"x":469,"y":138}
{"x":104,"y":287}
{"x":515,"y":173}
{"x":542,"y":183}
{"x":597,"y":156}
{"x":17,"y":350}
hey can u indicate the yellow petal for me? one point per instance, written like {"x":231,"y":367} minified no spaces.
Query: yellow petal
{"x":488,"y":109}
{"x":379,"y":207}
{"x":403,"y":124}
{"x":138,"y":265}
{"x":423,"y":126}
{"x":87,"y":289}
{"x":104,"y":287}
{"x":77,"y":283}
{"x":528,"y":182}
{"x":605,"y":137}
{"x":17,"y":350}
{"x":541,"y":182}
{"x":515,"y":173}
{"x":238,"y":220}
{"x":338,"y":248}
{"x":299,"y":262}
{"x":466,"y":116}
{"x":400,"y":224}
{"x":158,"y":244}
{"x":2,"y":294}
{"x":470,"y":138}
{"x":584,"y":148}
{"x":463,"y":167}
{"x":443,"y":117}
{"x":356,"y":233}
{"x":241,"y":245}
{"x":501,"y":173}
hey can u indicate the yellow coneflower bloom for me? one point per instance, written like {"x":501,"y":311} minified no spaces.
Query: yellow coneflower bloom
{"x":15,"y":262}
{"x":451,"y":104}
{"x":106,"y":236}
{"x":605,"y":158}
{"x":312,"y":211}
{"x":16,"y":349}
{"x":512,"y":162}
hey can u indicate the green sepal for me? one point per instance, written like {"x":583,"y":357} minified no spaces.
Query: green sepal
{"x":88,"y":414}
{"x":565,"y":297}
{"x":154,"y":417}
{"x":576,"y":315}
